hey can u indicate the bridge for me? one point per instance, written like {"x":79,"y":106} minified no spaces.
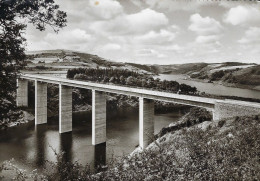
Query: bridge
{"x":220,"y":108}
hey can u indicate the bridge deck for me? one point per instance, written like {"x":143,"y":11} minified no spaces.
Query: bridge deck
{"x":138,"y":92}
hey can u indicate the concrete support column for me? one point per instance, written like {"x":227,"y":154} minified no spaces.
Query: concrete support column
{"x":65,"y":109}
{"x":22,"y":93}
{"x":98,"y":117}
{"x":146,"y":122}
{"x":40,"y":102}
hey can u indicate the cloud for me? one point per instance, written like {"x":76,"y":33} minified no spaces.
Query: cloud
{"x":207,"y":39}
{"x":141,"y":22}
{"x":204,"y":26}
{"x":76,"y":36}
{"x":106,"y":9}
{"x":242,"y":15}
{"x":150,"y":53}
{"x":252,"y":36}
{"x":111,"y":46}
{"x":170,"y":5}
{"x":175,"y":47}
{"x":153,"y":37}
{"x":155,"y":31}
{"x":208,"y":30}
{"x":90,"y":10}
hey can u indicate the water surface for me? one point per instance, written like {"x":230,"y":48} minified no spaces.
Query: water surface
{"x":212,"y":88}
{"x":32,"y":145}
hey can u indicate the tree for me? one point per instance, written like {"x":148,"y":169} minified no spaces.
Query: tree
{"x":13,"y":15}
{"x":187,"y":89}
{"x":122,"y":80}
{"x":129,"y":80}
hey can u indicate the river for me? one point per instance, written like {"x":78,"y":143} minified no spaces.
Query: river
{"x":212,"y":88}
{"x":32,"y":145}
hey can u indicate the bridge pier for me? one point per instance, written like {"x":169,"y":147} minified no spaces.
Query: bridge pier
{"x":98,"y":117}
{"x":40,"y":102}
{"x":65,"y":109}
{"x":146,"y":122}
{"x":22,"y":93}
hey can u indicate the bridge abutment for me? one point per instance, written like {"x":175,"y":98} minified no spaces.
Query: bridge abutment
{"x":231,"y":108}
{"x":98,"y":117}
{"x":40,"y":102}
{"x":65,"y":109}
{"x":22,"y":93}
{"x":146,"y":122}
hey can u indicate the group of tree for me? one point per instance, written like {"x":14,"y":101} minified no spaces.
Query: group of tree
{"x":129,"y":78}
{"x":14,"y":17}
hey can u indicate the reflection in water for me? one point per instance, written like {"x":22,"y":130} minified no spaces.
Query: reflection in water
{"x":100,"y":155}
{"x":66,"y":146}
{"x":32,"y":145}
{"x":40,"y":144}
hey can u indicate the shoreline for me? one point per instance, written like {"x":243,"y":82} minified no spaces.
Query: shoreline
{"x":240,"y":86}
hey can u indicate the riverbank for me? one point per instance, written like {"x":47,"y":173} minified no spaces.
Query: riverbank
{"x":16,"y":118}
{"x":213,"y":89}
{"x":234,"y":85}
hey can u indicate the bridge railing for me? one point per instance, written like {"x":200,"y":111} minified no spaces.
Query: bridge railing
{"x":127,"y":90}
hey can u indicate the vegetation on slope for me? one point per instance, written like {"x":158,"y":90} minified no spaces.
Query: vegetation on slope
{"x":129,"y":78}
{"x":241,"y":77}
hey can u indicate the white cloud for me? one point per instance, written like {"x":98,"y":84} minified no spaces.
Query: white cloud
{"x":143,"y":21}
{"x":111,"y":46}
{"x":242,"y":15}
{"x":106,"y":9}
{"x":252,"y":36}
{"x":142,"y":31}
{"x":150,"y":53}
{"x":204,"y":26}
{"x":208,"y":30}
{"x":175,"y":47}
{"x":76,"y":36}
{"x":170,"y":5}
{"x":153,"y":37}
{"x":207,"y":39}
{"x":147,"y":19}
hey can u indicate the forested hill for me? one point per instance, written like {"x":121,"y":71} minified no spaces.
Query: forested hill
{"x":233,"y":74}
{"x":227,"y":73}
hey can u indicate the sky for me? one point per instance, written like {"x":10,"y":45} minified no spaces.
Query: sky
{"x":157,"y":31}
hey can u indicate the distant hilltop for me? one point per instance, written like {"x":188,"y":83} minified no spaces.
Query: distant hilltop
{"x":244,"y":75}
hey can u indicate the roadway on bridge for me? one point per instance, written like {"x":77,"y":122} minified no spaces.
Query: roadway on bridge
{"x":132,"y":91}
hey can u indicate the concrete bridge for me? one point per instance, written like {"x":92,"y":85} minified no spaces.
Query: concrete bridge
{"x":220,"y":108}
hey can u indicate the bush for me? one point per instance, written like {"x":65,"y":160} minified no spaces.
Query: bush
{"x":80,"y":77}
{"x":217,"y":75}
{"x":221,"y":123}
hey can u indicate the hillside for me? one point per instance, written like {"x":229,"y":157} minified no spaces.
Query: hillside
{"x":244,"y":75}
{"x":232,"y":74}
{"x":171,"y":69}
{"x":62,"y":60}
